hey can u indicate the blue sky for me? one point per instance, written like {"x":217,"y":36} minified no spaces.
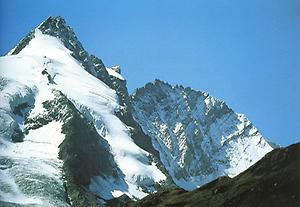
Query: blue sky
{"x":245,"y":52}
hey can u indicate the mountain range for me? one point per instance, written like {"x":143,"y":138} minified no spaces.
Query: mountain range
{"x":72,"y":135}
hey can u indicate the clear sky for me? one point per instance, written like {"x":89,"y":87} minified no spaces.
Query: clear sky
{"x":245,"y":52}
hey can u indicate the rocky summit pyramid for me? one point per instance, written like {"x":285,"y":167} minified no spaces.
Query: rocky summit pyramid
{"x":198,"y":136}
{"x":70,"y":134}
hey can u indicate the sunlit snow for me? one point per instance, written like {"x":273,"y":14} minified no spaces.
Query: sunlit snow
{"x":92,"y":97}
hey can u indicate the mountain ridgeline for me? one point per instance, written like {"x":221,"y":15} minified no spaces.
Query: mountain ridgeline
{"x":71,"y":135}
{"x":198,"y":136}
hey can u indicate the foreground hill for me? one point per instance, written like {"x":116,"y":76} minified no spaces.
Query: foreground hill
{"x":272,"y":181}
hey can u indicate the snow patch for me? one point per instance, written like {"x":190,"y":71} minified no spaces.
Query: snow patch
{"x":112,"y":72}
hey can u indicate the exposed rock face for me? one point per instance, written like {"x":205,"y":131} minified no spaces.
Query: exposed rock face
{"x":199,"y":137}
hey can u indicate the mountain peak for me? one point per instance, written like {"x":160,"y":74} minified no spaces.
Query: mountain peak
{"x":55,"y":19}
{"x":50,"y":26}
{"x":160,"y":82}
{"x":198,"y":136}
{"x":57,"y":27}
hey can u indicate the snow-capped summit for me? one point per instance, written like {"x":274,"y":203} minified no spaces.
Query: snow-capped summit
{"x":57,"y":27}
{"x":55,"y":96}
{"x":199,"y":137}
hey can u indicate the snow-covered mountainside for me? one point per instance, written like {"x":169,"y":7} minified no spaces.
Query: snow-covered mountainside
{"x":199,"y":138}
{"x":70,"y":134}
{"x":61,"y":113}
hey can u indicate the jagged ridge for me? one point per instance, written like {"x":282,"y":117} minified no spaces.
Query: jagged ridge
{"x":198,"y":136}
